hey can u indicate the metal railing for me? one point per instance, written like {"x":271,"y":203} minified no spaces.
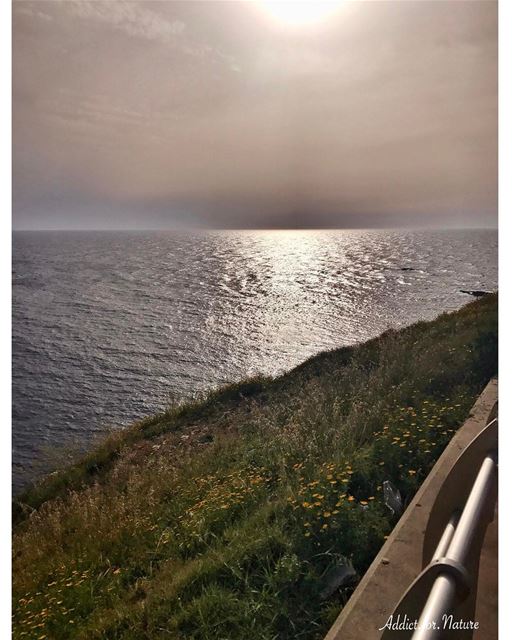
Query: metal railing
{"x":446,"y":587}
{"x":451,"y":555}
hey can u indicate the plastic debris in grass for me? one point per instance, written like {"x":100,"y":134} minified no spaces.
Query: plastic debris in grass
{"x":392,"y":497}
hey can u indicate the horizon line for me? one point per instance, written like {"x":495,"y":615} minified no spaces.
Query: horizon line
{"x":168,"y":229}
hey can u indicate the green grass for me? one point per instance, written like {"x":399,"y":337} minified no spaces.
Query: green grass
{"x":224,"y":519}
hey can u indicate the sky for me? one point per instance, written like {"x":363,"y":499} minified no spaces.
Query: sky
{"x":214,"y":114}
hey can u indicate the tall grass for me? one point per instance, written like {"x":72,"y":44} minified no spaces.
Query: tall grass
{"x":228,"y":518}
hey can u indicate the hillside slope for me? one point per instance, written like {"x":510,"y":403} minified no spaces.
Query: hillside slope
{"x":230,"y":518}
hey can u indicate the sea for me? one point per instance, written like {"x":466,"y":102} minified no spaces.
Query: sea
{"x":109,"y":327}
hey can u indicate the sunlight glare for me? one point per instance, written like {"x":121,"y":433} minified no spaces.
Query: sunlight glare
{"x":301,"y":12}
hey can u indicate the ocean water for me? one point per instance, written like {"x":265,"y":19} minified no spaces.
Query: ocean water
{"x":109,"y":327}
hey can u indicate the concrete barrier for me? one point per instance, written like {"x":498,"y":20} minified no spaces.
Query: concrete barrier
{"x":401,"y":558}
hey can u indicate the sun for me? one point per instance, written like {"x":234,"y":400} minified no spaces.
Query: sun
{"x":302,"y":12}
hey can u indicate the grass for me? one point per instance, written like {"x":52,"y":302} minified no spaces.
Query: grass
{"x":227,"y":518}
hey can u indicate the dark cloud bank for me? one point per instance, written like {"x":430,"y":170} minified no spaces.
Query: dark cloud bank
{"x":172,"y":114}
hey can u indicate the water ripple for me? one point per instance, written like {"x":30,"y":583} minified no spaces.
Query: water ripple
{"x":108,"y":326}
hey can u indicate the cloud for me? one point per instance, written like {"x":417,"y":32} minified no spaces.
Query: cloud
{"x":132,"y":18}
{"x":211,"y":108}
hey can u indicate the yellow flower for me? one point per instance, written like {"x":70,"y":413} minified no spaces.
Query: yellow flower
{"x":363,"y":502}
{"x":351,"y":498}
{"x":327,"y":514}
{"x":412,"y":472}
{"x":307,"y":534}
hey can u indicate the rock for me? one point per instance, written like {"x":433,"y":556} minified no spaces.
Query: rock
{"x":340,"y":576}
{"x":478,"y":293}
{"x":407,"y":269}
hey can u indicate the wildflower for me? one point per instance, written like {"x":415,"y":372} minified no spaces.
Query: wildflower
{"x":351,"y":498}
{"x":363,"y":502}
{"x":326,"y":514}
{"x":412,"y":472}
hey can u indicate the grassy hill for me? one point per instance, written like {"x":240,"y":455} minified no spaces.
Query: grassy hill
{"x":229,"y":518}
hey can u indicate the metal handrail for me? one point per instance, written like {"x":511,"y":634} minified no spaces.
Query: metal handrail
{"x":451,"y":554}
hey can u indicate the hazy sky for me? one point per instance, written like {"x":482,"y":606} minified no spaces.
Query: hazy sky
{"x":219,"y":114}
